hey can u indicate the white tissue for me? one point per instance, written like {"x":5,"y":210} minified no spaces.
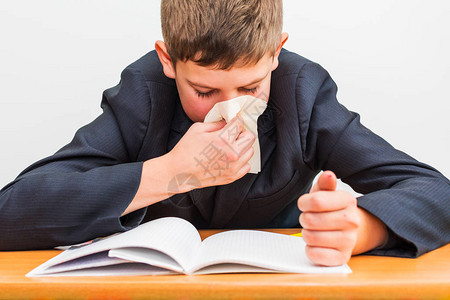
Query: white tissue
{"x":249,"y":108}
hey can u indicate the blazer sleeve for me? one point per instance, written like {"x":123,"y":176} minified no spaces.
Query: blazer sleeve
{"x":410,"y":197}
{"x":80,"y":192}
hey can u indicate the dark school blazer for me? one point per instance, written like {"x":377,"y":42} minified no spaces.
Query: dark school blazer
{"x":80,"y":192}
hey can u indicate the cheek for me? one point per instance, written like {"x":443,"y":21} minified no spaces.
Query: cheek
{"x":196,"y":108}
{"x":264,"y":91}
{"x":193,"y":106}
{"x":201,"y":109}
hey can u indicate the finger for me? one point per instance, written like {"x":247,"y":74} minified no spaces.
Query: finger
{"x":335,"y":220}
{"x":327,"y":182}
{"x":213,"y":126}
{"x":245,"y":141}
{"x":238,"y":156}
{"x":243,"y":170}
{"x":245,"y":157}
{"x":232,"y":130}
{"x":338,"y":239}
{"x":246,"y":133}
{"x":242,"y":166}
{"x":327,"y":256}
{"x":323,"y":201}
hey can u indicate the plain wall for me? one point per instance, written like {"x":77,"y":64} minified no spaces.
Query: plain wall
{"x":390,"y":60}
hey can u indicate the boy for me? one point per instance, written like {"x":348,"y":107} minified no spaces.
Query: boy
{"x":120,"y":169}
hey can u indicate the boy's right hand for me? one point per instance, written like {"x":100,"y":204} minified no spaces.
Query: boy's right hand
{"x":212,"y":153}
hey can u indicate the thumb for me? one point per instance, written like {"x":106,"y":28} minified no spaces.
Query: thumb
{"x":327,"y":182}
{"x":213,"y":126}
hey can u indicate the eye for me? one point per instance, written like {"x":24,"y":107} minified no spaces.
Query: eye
{"x":251,"y":91}
{"x":203,"y":95}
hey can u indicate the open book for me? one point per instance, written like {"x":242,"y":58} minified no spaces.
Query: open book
{"x":173,"y":246}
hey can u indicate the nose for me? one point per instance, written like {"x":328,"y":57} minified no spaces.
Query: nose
{"x":230,"y":95}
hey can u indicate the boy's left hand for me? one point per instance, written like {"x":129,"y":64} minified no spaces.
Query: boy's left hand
{"x":330,"y":220}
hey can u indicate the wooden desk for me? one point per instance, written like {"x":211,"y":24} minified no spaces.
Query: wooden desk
{"x":372,"y":277}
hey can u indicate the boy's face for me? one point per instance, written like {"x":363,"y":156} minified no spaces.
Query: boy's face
{"x":201,"y":87}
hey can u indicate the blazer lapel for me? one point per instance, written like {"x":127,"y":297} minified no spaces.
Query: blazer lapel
{"x":202,"y":198}
{"x":230,"y":197}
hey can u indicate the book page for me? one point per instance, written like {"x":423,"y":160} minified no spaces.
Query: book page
{"x":173,"y":236}
{"x":99,"y":259}
{"x":267,"y":250}
{"x":147,"y":256}
{"x":123,"y":269}
{"x":231,"y":268}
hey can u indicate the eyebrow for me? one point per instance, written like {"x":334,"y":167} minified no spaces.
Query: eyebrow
{"x":208,"y":87}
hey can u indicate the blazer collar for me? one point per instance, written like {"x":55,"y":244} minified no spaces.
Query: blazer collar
{"x":180,"y":122}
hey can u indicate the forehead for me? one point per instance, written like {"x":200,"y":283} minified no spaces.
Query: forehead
{"x":239,"y":74}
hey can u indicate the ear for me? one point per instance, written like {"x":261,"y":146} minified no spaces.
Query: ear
{"x":165,"y":59}
{"x":283,"y":39}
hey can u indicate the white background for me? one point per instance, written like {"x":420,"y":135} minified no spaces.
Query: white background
{"x":390,"y":60}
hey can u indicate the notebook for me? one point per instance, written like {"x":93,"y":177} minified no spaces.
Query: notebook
{"x":172,"y":245}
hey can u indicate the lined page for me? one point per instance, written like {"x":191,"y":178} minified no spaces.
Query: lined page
{"x":267,"y":250}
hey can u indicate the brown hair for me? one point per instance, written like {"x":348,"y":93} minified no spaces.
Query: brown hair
{"x":221,"y":32}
